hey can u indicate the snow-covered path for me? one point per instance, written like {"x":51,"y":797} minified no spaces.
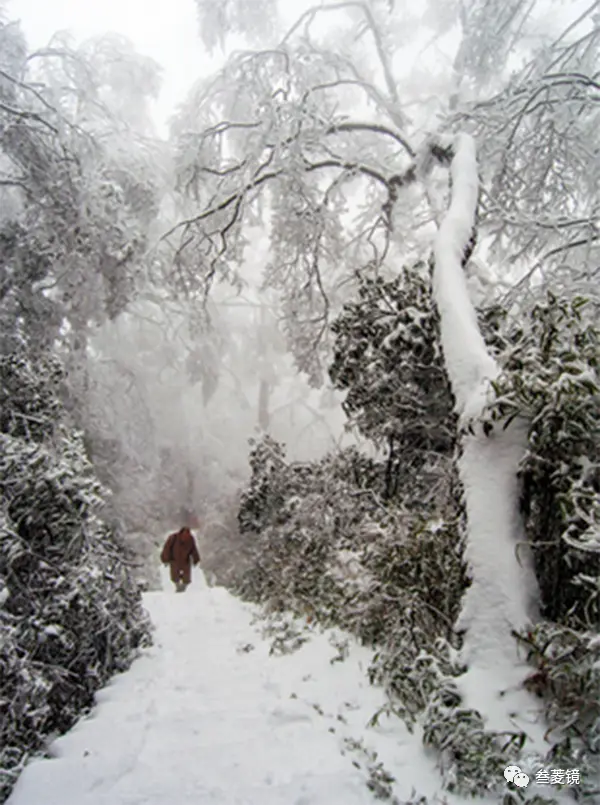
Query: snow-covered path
{"x":198,"y":719}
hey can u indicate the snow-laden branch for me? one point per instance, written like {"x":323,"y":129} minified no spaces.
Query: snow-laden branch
{"x":468,"y":361}
{"x":306,"y":19}
{"x":375,"y":129}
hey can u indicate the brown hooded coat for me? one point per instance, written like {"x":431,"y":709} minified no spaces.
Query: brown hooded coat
{"x":179,"y":548}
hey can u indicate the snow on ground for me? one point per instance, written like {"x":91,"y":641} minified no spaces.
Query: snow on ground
{"x":207,"y":715}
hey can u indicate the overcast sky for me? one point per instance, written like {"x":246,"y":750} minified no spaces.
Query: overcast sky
{"x":168,"y":32}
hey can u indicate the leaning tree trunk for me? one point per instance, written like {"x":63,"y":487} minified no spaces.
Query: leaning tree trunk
{"x":503,"y":591}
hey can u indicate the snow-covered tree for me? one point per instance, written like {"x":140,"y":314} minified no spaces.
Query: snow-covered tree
{"x":326,"y":136}
{"x":77,"y":195}
{"x":80,"y":190}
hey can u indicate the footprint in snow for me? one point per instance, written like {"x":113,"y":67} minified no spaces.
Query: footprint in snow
{"x":281,"y":717}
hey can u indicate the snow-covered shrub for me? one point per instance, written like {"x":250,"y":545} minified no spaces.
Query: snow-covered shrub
{"x":332,"y":551}
{"x":419,"y":581}
{"x":472,"y":759}
{"x":70,"y":613}
{"x":297,"y":508}
{"x":552,"y":379}
{"x":289,"y":633}
{"x":379,"y":779}
{"x":302,"y":522}
{"x":333,"y":541}
{"x":387,"y":358}
{"x":567,"y":675}
{"x":329,"y":548}
{"x":263,"y":497}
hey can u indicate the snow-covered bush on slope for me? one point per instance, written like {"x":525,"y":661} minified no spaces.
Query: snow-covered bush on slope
{"x":329,"y":542}
{"x":552,"y":379}
{"x":70,"y":614}
{"x":330,"y":548}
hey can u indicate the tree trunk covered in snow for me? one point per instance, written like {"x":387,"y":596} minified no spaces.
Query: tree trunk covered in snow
{"x":502,"y":593}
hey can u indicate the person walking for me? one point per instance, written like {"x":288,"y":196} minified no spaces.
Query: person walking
{"x":179,"y":551}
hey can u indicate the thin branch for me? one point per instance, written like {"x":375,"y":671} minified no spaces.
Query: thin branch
{"x":573,"y":245}
{"x":376,"y":129}
{"x":539,"y":264}
{"x":350,"y":167}
{"x":587,"y":13}
{"x":223,"y":205}
{"x":28,"y":116}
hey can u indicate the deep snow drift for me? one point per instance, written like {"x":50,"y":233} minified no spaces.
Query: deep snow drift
{"x":207,"y":715}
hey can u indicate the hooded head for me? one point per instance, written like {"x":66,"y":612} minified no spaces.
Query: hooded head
{"x":189,"y":519}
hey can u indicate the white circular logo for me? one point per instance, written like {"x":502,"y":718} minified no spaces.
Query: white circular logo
{"x":521,"y":779}
{"x":513,"y":774}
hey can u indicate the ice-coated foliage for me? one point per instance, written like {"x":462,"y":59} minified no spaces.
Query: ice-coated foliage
{"x":472,"y":758}
{"x":535,"y":139}
{"x":567,"y":677}
{"x":73,"y":224}
{"x":324,"y":543}
{"x":329,"y":132}
{"x":70,"y":612}
{"x":77,"y":197}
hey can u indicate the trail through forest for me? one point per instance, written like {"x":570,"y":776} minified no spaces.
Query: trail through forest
{"x":209,"y":715}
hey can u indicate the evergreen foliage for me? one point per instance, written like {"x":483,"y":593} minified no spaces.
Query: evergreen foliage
{"x":388,"y":360}
{"x":551,"y":378}
{"x":70,"y":612}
